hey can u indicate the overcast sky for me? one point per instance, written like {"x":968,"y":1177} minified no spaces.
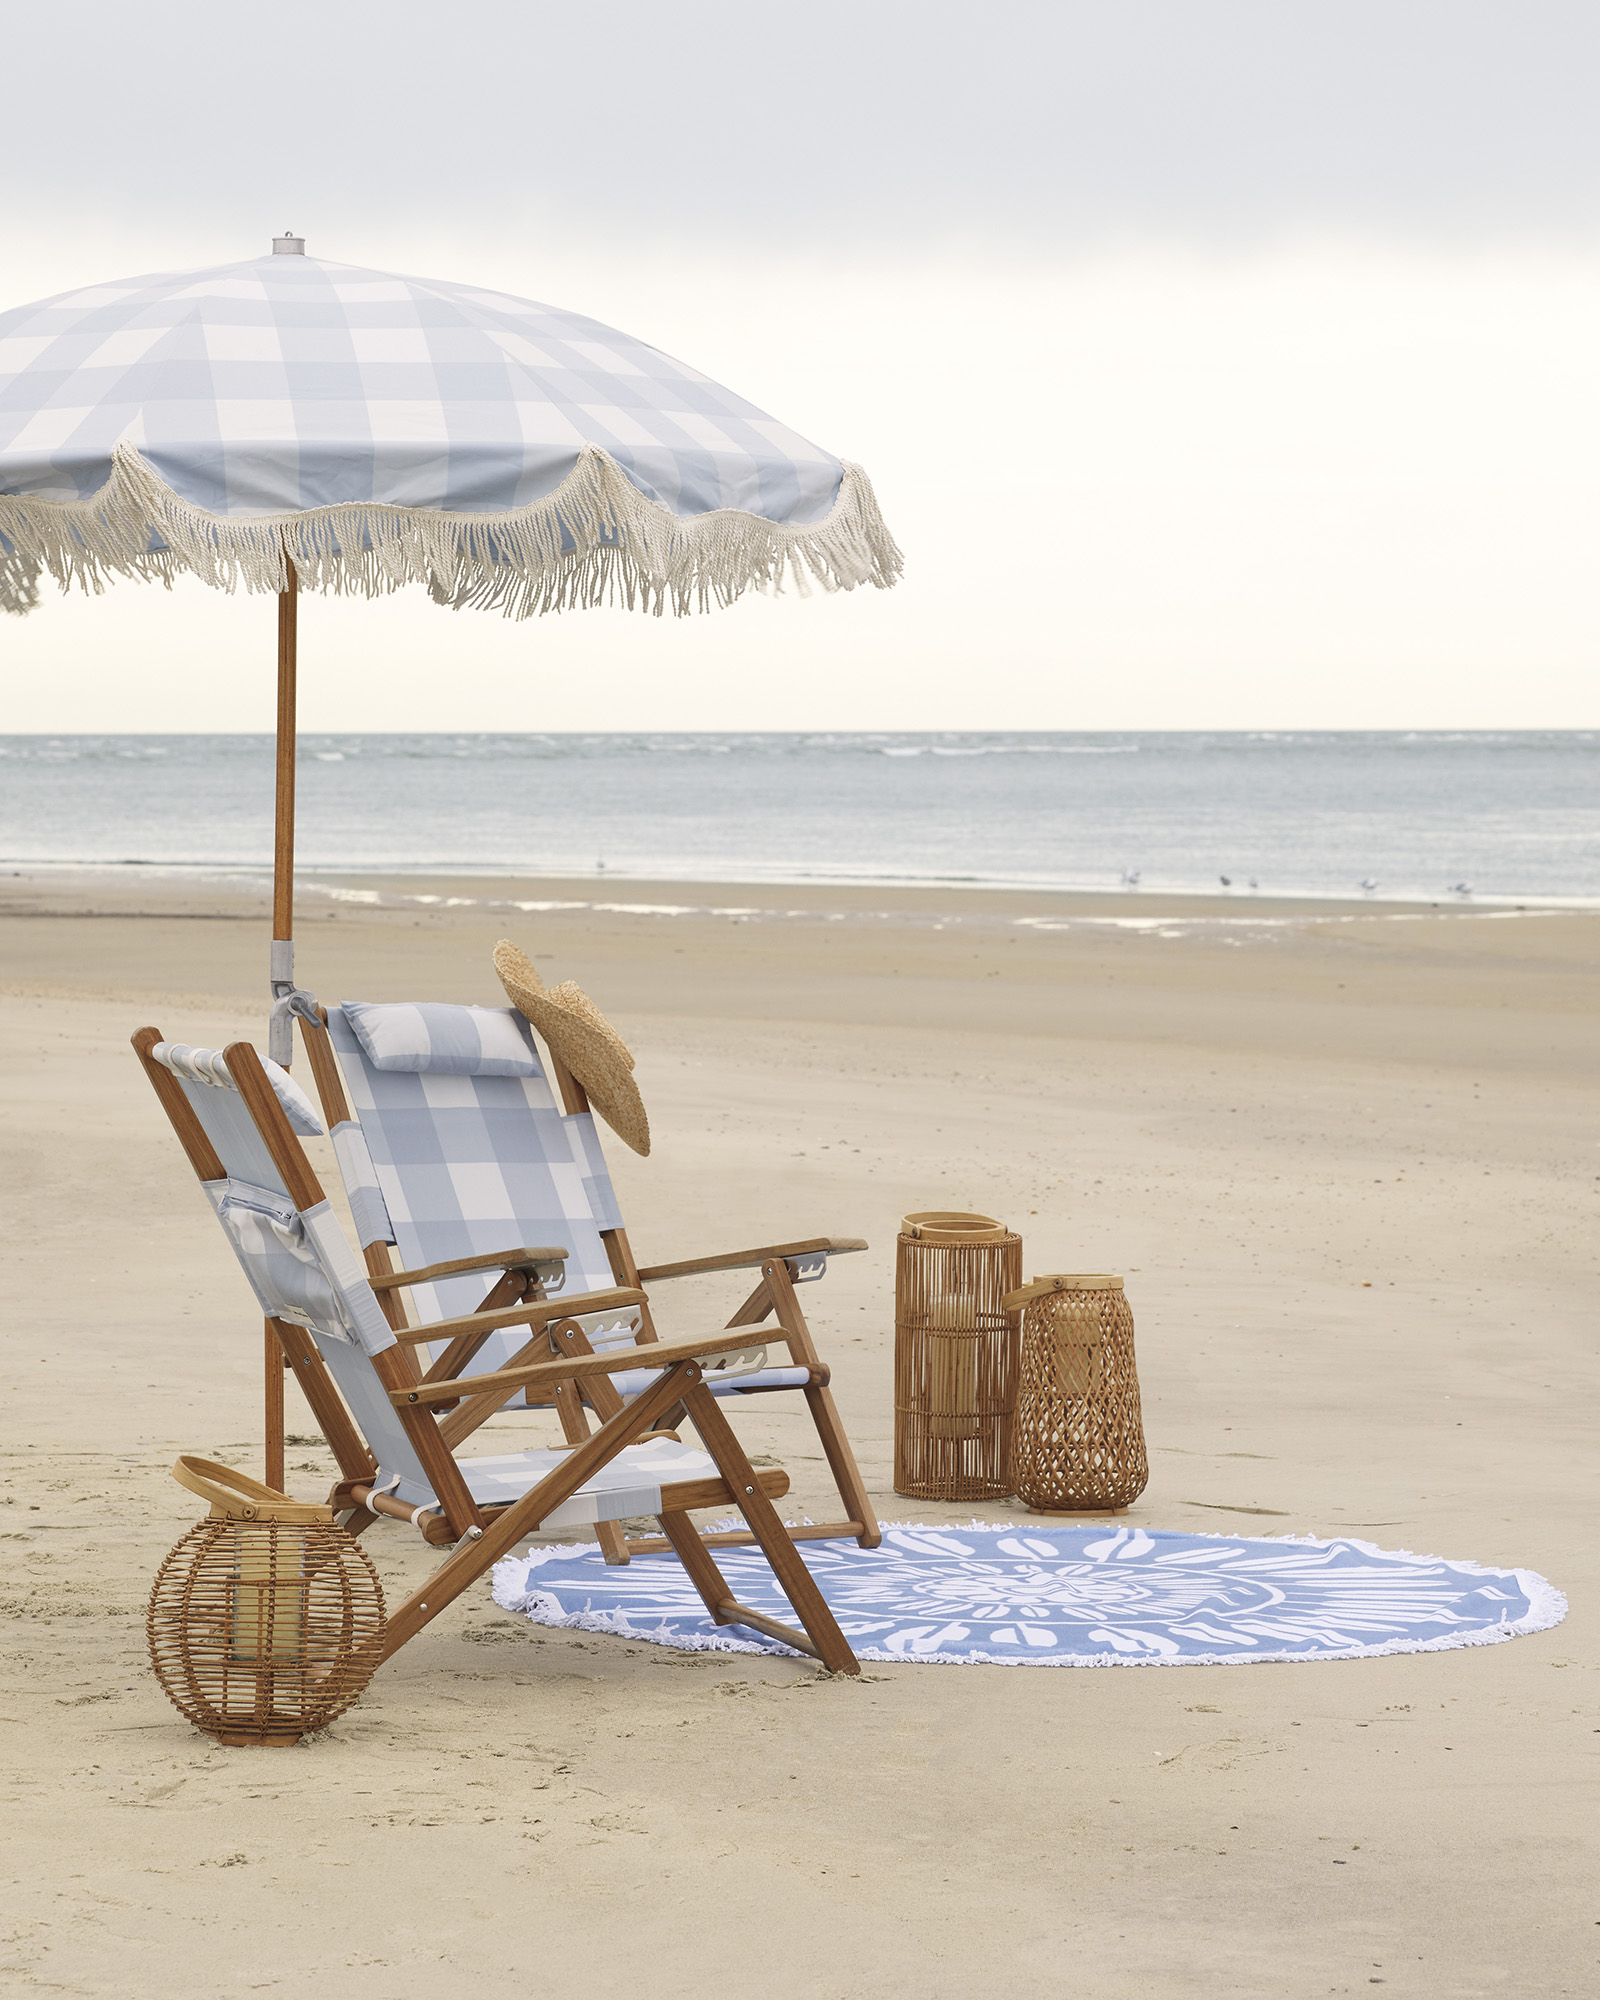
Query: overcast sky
{"x":1218,"y":362}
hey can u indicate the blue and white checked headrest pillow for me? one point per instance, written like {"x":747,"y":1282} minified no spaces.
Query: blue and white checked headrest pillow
{"x":442,"y":1040}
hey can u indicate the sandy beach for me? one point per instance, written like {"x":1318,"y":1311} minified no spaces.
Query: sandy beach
{"x":1346,"y":1156}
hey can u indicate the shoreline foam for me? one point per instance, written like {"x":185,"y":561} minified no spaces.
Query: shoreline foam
{"x":1139,"y":908}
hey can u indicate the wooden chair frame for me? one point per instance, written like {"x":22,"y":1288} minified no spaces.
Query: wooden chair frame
{"x":556,"y":1358}
{"x":774,"y":1296}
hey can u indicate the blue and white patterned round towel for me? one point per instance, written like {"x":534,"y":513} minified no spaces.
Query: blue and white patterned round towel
{"x":1075,"y":1596}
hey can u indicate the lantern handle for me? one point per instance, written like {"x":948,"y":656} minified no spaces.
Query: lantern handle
{"x":940,"y":1226}
{"x":1061,"y":1281}
{"x":235,"y":1496}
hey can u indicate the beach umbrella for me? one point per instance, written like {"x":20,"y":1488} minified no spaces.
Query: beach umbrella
{"x":288,"y":423}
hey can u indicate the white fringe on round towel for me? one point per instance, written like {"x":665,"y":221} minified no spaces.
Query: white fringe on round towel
{"x":596,"y":540}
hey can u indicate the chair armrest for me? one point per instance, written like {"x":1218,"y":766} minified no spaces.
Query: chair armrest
{"x":744,"y":1260}
{"x":614,"y":1360}
{"x":497,"y":1260}
{"x":531,"y":1312}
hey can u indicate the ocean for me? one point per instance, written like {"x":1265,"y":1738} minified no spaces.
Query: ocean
{"x":1486,"y":816}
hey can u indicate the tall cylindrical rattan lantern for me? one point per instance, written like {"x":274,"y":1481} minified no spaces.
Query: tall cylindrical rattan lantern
{"x":1080,"y":1436}
{"x":955,"y":1357}
{"x":266,"y":1621}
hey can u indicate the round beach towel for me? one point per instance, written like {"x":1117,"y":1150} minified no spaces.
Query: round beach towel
{"x":1074,"y":1596}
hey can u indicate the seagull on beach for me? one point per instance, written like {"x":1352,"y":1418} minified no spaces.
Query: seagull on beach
{"x":1461,"y":888}
{"x":1226,"y":881}
{"x":1369,"y":883}
{"x":1130,"y":878}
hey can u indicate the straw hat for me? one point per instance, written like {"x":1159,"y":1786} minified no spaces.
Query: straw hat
{"x":580,"y":1037}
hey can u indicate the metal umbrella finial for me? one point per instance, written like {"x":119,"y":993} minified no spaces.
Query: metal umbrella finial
{"x":288,"y":246}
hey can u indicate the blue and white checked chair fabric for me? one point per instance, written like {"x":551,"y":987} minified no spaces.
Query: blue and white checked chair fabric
{"x":301,"y":1268}
{"x":446,"y":1166}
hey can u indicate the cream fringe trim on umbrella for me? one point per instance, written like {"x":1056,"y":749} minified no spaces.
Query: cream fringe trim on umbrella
{"x":596,"y":540}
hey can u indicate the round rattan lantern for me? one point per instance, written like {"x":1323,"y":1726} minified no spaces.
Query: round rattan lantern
{"x":955,"y":1356}
{"x":1079,"y":1436}
{"x":266,"y":1621}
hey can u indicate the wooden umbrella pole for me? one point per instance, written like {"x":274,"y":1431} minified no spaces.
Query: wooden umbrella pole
{"x":280,"y":1040}
{"x":280,"y":1033}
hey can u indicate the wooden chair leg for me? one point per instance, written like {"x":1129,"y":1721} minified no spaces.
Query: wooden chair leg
{"x":796,"y":1581}
{"x":613,"y":1541}
{"x":273,"y":1475}
{"x":824,"y":1412}
{"x":842,"y":1462}
{"x":575,"y":1428}
{"x":316,"y":1385}
{"x":693,"y":1552}
{"x":606,"y":1403}
{"x":684,"y":1540}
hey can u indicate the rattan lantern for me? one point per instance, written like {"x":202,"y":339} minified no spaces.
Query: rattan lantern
{"x":266,"y":1621}
{"x":955,"y":1356}
{"x":1080,"y":1437}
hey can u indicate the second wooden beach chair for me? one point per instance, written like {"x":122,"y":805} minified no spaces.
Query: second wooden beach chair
{"x":451,"y":1143}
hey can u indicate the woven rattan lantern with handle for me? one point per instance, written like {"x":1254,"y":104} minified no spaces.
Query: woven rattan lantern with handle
{"x":955,"y":1356}
{"x":266,"y":1621}
{"x":1080,"y":1436}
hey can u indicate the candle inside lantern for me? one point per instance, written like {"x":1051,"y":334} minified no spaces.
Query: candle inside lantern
{"x":1079,"y":1346}
{"x":953,"y":1320}
{"x":267,"y":1600}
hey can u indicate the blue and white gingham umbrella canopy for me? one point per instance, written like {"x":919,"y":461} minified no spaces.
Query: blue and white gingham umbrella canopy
{"x":379,"y":430}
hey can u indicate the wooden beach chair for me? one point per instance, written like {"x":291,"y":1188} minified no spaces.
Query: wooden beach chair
{"x":441,"y":1163}
{"x":380,"y":1413}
